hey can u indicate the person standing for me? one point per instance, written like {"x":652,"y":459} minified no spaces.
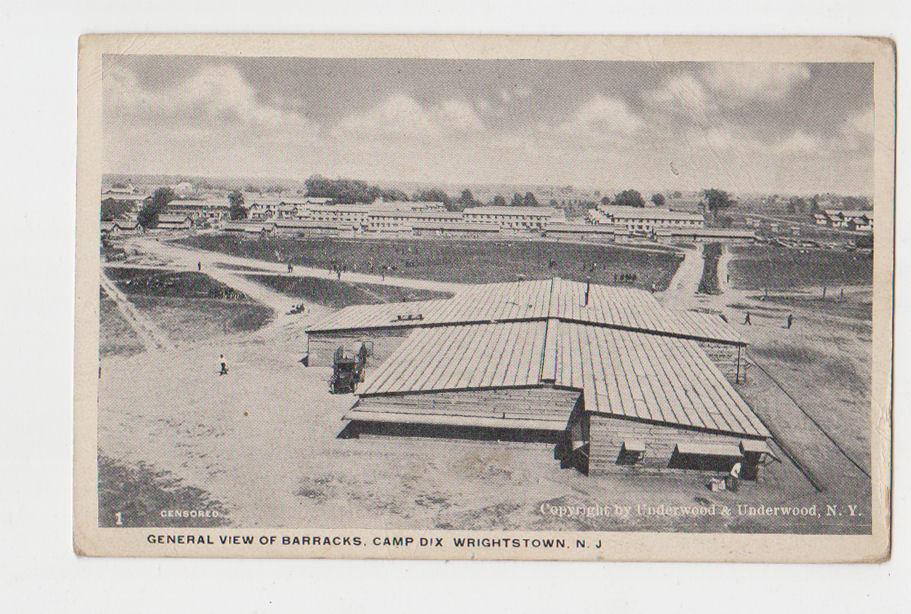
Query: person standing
{"x":790,"y":319}
{"x":734,"y":478}
{"x":746,"y":320}
{"x":224,"y":365}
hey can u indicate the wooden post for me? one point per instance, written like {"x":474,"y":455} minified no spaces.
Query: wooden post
{"x":737,"y":370}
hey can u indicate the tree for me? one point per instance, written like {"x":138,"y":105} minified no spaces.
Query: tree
{"x":716,"y":200}
{"x":814,"y":205}
{"x":629,"y":198}
{"x":658,"y":199}
{"x":238,"y":210}
{"x":393,"y":195}
{"x":516,"y":200}
{"x":530,"y":200}
{"x":154,"y":206}
{"x":499,"y":201}
{"x":465,"y":201}
{"x":797,"y":205}
{"x":318,"y":186}
{"x":433,"y":195}
{"x":605,"y":201}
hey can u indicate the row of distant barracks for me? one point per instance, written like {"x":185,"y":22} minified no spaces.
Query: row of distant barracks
{"x":310,"y":216}
{"x":609,"y":378}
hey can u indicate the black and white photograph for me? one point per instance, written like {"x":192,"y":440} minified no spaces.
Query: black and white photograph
{"x":478,"y":306}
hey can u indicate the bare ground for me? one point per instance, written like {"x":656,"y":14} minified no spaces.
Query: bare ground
{"x":263,"y":441}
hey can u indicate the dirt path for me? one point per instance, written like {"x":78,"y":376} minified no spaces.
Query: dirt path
{"x":191,"y":257}
{"x":723,"y":275}
{"x":681,"y":292}
{"x":216,"y":265}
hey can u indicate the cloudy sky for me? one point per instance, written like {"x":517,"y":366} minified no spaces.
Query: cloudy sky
{"x":786,"y":128}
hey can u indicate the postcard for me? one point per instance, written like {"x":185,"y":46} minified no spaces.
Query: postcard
{"x":484,"y":297}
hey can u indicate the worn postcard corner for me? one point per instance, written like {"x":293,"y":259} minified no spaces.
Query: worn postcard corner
{"x":468,"y":297}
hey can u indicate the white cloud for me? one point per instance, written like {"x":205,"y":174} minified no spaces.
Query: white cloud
{"x":861,"y":123}
{"x":459,"y":116}
{"x":602,"y":116}
{"x":214,"y":101}
{"x":522,"y":92}
{"x":801,"y":142}
{"x":725,"y":136}
{"x":738,"y":82}
{"x":402,"y":115}
{"x":682,"y":94}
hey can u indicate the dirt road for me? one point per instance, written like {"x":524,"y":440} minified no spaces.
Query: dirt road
{"x":190,"y":257}
{"x":681,"y":292}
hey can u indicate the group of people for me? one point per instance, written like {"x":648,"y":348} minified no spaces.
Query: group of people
{"x":790,"y":320}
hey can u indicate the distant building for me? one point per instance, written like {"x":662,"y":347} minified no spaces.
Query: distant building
{"x":201,"y":210}
{"x":121,"y":190}
{"x":248,"y":228}
{"x":378,"y":215}
{"x":850,"y":219}
{"x":311,"y":228}
{"x":595,"y":216}
{"x":462,"y":230}
{"x":690,"y":205}
{"x":513,"y":218}
{"x":385,"y":220}
{"x":351,"y":215}
{"x":120,"y":228}
{"x":648,"y":219}
{"x":174,"y":222}
{"x":184,"y":189}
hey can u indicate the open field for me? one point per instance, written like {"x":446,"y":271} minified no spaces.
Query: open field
{"x":264,"y":442}
{"x":824,"y":360}
{"x":459,"y":261}
{"x":337,"y":294}
{"x":187,"y":305}
{"x":116,"y":336}
{"x":756,"y":267}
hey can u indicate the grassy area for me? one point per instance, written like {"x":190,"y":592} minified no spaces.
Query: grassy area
{"x":457,"y":261}
{"x":824,"y":360}
{"x":163,"y":283}
{"x":186,"y":305}
{"x":850,"y":305}
{"x":338,"y":294}
{"x":116,"y":336}
{"x":756,"y":267}
{"x":135,"y":497}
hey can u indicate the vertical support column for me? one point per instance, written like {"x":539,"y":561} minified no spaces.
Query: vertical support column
{"x":737,"y":370}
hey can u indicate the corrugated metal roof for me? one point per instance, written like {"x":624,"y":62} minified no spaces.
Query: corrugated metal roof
{"x":617,"y":307}
{"x":633,"y":309}
{"x":648,"y":213}
{"x":648,"y":377}
{"x":505,"y":355}
{"x":483,"y":303}
{"x":622,"y":373}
